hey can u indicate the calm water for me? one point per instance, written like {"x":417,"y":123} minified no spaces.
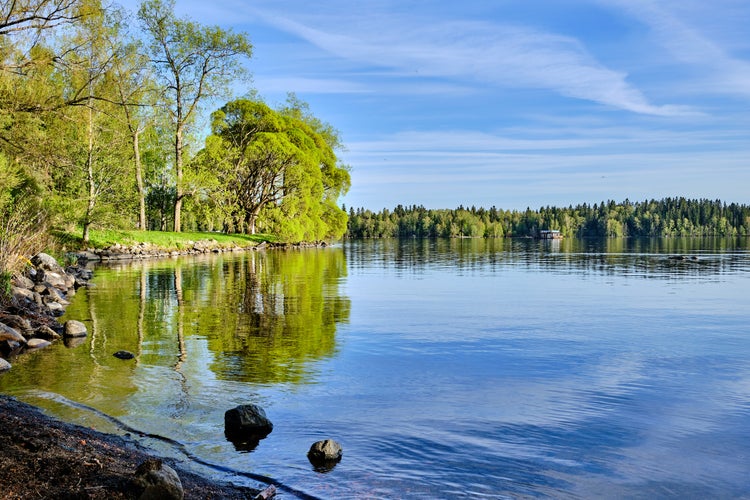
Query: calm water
{"x":463,"y":368}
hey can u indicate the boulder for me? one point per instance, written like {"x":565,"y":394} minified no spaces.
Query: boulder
{"x":37,"y":343}
{"x":22,"y":293}
{"x":8,"y":333}
{"x":74,"y":329}
{"x":4,"y":365}
{"x":124,"y":355}
{"x":325,"y":453}
{"x":46,"y":333}
{"x":55,"y":308}
{"x":21,"y":325}
{"x":246,"y":425}
{"x":159,"y":481}
{"x":23,"y":282}
{"x":47,"y":262}
{"x":56,"y":280}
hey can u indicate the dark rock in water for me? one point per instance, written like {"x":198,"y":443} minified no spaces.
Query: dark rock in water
{"x":46,"y":333}
{"x":159,"y":481}
{"x":124,"y":355}
{"x":324,"y":455}
{"x":246,"y":425}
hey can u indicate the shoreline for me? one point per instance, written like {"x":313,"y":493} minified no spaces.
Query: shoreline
{"x":44,"y":457}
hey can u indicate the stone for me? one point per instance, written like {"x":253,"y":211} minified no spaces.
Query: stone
{"x":159,"y":481}
{"x":55,"y":308}
{"x":47,"y":262}
{"x":8,"y":333}
{"x":37,"y":343}
{"x":4,"y":365}
{"x":23,"y":282}
{"x":21,"y":325}
{"x":124,"y":355}
{"x":74,"y":329}
{"x":56,"y":280}
{"x":46,"y":333}
{"x":325,"y":451}
{"x":246,"y":425}
{"x":22,"y":293}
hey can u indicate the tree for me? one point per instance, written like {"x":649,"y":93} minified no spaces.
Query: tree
{"x":193,"y":63}
{"x":273,"y":166}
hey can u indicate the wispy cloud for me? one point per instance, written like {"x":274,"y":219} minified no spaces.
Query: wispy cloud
{"x":480,"y":53}
{"x":690,"y":45}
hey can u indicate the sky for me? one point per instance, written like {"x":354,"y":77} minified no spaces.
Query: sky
{"x":512,"y":103}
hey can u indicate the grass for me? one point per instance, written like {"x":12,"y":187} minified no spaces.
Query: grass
{"x":104,"y":238}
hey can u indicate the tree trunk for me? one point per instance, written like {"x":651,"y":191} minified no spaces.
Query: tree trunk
{"x":89,"y":173}
{"x":139,"y":180}
{"x":178,"y":170}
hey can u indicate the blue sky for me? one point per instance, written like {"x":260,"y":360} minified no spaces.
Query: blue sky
{"x":513,"y":103}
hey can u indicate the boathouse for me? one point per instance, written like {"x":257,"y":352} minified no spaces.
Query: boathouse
{"x":550,"y":234}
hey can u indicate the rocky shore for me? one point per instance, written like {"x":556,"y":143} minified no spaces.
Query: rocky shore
{"x":41,"y":457}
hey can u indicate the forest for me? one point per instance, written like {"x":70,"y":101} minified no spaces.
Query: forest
{"x":117,"y":119}
{"x":654,"y":218}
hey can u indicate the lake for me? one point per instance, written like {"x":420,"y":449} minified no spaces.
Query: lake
{"x":445,"y":368}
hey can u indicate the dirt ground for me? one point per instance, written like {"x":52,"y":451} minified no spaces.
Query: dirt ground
{"x":41,"y":457}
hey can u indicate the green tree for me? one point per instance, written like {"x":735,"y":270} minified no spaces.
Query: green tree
{"x":272,"y":167}
{"x":193,"y":63}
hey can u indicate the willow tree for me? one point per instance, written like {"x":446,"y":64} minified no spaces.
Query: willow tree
{"x":272,"y":168}
{"x":193,"y":63}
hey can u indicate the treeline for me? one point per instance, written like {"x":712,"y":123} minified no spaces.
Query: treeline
{"x":101,"y":113}
{"x":654,"y":218}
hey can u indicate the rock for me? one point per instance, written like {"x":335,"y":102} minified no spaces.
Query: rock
{"x":37,"y":343}
{"x":56,"y":280}
{"x":124,"y":355}
{"x":8,"y":333}
{"x":22,"y":293}
{"x":46,"y":333}
{"x":55,"y":308}
{"x":74,"y":329}
{"x":47,"y":262}
{"x":23,"y":282}
{"x":246,"y":425}
{"x":4,"y":365}
{"x":21,"y":325}
{"x":327,"y":452}
{"x":159,"y":481}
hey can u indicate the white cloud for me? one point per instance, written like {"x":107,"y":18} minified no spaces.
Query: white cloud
{"x":479,"y":53}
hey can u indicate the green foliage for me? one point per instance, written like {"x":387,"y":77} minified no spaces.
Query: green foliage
{"x":667,"y":217}
{"x":275,"y":171}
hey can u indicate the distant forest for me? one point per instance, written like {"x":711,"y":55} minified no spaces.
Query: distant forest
{"x":655,"y":218}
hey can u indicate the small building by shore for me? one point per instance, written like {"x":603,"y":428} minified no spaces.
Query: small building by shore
{"x":550,"y":234}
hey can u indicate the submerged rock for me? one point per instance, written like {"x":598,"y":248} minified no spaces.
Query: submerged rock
{"x":246,"y":425}
{"x":37,"y":343}
{"x":325,"y":454}
{"x":124,"y":355}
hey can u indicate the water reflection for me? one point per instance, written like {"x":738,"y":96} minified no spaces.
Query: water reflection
{"x":262,"y":317}
{"x":647,"y":258}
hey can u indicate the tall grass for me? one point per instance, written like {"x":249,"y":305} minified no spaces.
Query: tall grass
{"x":23,"y":234}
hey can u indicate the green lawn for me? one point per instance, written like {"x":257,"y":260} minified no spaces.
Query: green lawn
{"x":169,"y":241}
